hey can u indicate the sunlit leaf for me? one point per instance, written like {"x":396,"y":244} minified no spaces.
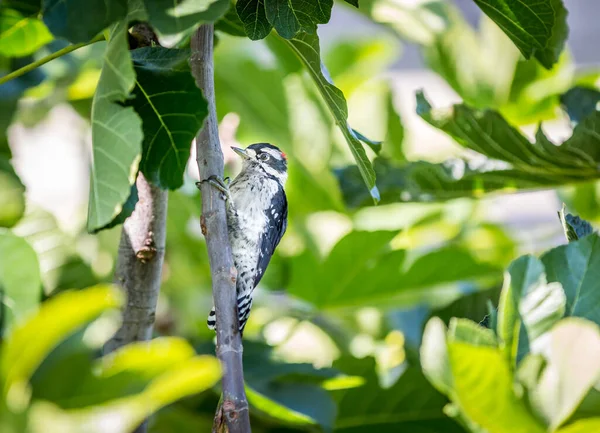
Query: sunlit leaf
{"x":168,"y":16}
{"x":538,"y":29}
{"x":20,"y":281}
{"x":116,"y":130}
{"x":476,"y":371}
{"x":31,"y":341}
{"x":20,"y":33}
{"x":12,"y":199}
{"x":306,"y":47}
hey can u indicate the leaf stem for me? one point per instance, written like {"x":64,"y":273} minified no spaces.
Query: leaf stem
{"x":30,"y":67}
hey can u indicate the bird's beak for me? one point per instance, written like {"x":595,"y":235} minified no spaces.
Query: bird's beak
{"x":241,"y":152}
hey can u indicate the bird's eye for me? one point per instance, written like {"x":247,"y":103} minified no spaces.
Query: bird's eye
{"x":263,"y":156}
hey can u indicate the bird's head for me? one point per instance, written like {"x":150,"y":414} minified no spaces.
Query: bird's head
{"x":265,"y":159}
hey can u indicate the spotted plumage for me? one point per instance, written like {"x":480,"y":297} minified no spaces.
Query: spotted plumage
{"x":256,"y":218}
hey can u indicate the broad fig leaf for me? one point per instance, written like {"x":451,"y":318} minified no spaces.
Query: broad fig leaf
{"x":253,"y":16}
{"x":409,"y":405}
{"x":172,"y":110}
{"x":79,"y":21}
{"x":306,"y":47}
{"x":477,"y":370}
{"x":291,"y":16}
{"x":575,"y":266}
{"x":571,"y":371}
{"x":116,"y":130}
{"x":538,"y":29}
{"x":170,"y":17}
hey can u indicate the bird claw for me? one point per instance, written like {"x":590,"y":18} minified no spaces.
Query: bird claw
{"x":222,"y":185}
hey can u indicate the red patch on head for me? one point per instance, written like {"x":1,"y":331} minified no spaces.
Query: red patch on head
{"x":284,"y":155}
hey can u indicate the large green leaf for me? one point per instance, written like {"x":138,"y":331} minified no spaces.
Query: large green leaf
{"x":541,"y":304}
{"x":12,"y":199}
{"x":576,"y":266}
{"x":360,"y":270}
{"x":169,"y":17}
{"x":254,"y":18}
{"x":116,"y":130}
{"x":538,"y":29}
{"x":410,"y":405}
{"x":20,"y":281}
{"x":513,"y":163}
{"x":21,"y":33}
{"x":287,"y":392}
{"x":80,"y":21}
{"x":30,"y":342}
{"x":291,"y":16}
{"x":570,"y":372}
{"x":484,"y":390}
{"x":306,"y":47}
{"x":172,"y":110}
{"x":183,"y":379}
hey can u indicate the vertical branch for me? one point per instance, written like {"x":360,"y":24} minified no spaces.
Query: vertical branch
{"x":139,"y":264}
{"x":214,"y":227}
{"x":141,"y":249}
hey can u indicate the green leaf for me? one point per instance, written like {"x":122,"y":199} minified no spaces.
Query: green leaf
{"x":253,"y":16}
{"x":20,"y":281}
{"x":575,"y":228}
{"x":230,"y":22}
{"x":184,"y":379}
{"x":12,"y":199}
{"x":79,"y":21}
{"x":576,"y":266}
{"x":116,"y":130}
{"x":360,"y":270}
{"x":571,"y":371}
{"x":409,"y":405}
{"x":291,"y":16}
{"x":541,"y":304}
{"x":394,"y":139}
{"x":434,"y":356}
{"x":30,"y":342}
{"x":467,"y":331}
{"x":172,"y":109}
{"x":537,"y":29}
{"x":582,"y":426}
{"x":483,"y":388}
{"x":514,"y":163}
{"x":508,"y":322}
{"x":21,"y":34}
{"x":169,"y":17}
{"x":580,"y":102}
{"x":306,"y":47}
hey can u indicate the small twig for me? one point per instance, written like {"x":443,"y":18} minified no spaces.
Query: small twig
{"x":214,"y":226}
{"x":30,"y":67}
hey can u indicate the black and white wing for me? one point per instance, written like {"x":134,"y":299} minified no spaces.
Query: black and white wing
{"x":277,"y":224}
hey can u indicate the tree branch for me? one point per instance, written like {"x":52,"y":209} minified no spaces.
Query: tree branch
{"x":214,"y":227}
{"x":141,"y":249}
{"x":139,"y":264}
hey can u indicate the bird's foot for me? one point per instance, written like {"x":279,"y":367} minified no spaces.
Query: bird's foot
{"x":220,"y":184}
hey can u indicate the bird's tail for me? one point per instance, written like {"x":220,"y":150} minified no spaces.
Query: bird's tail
{"x":244,"y":305}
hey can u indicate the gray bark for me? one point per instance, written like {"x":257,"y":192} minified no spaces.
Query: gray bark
{"x":214,"y":227}
{"x":139,"y":264}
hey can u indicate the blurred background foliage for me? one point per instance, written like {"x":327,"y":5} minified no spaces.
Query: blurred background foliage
{"x":333,"y":343}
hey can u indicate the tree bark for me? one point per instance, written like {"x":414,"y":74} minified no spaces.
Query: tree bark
{"x":139,"y":264}
{"x":214,"y":227}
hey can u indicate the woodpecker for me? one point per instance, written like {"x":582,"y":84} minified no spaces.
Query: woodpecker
{"x":257,"y":213}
